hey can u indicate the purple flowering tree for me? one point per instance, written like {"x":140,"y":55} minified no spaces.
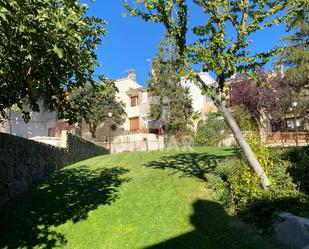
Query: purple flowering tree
{"x":270,"y":96}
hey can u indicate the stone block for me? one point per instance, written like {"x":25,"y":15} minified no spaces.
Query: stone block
{"x":292,"y":230}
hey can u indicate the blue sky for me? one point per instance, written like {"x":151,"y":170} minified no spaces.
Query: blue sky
{"x":130,"y":42}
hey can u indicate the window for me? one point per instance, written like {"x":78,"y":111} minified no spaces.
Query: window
{"x":134,"y":101}
{"x":51,"y":132}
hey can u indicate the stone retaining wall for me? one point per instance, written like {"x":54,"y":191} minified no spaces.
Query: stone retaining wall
{"x":79,"y":149}
{"x":24,"y":162}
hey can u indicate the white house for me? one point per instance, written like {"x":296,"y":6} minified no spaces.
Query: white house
{"x":42,"y":123}
{"x":44,"y":126}
{"x":200,"y":103}
{"x":137,"y":99}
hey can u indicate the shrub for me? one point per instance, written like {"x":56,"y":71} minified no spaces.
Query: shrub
{"x":238,"y":187}
{"x":234,"y":184}
{"x":211,"y":130}
{"x":300,"y":166}
{"x":244,"y":118}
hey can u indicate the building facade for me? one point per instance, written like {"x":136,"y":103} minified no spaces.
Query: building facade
{"x":200,"y":102}
{"x":42,"y":123}
{"x":137,"y":100}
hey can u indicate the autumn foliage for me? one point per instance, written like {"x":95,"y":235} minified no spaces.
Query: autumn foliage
{"x":269,"y":95}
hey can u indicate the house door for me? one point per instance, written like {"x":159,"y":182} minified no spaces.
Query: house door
{"x":134,"y":124}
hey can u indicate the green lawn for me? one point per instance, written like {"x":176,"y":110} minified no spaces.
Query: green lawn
{"x":134,"y":200}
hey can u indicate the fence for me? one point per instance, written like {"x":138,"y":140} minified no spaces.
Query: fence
{"x":288,"y":138}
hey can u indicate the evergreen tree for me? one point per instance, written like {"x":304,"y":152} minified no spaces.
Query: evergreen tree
{"x":173,"y":104}
{"x":296,"y":55}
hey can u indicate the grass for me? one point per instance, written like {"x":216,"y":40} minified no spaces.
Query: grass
{"x":132,"y":200}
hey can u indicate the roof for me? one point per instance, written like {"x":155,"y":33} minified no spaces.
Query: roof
{"x":137,"y":90}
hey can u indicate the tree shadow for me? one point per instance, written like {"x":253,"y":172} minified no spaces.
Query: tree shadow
{"x":264,"y":212}
{"x":190,"y":164}
{"x":67,"y":195}
{"x":213,"y":229}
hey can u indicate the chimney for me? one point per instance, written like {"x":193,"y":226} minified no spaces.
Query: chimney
{"x":132,"y":75}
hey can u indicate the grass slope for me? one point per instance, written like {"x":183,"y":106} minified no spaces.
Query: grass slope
{"x":134,"y":200}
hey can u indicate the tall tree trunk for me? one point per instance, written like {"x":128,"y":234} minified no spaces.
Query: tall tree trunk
{"x":253,"y":162}
{"x":5,"y":123}
{"x":10,"y":120}
{"x":79,"y":128}
{"x":93,"y":129}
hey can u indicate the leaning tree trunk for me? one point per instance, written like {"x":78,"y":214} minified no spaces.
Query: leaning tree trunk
{"x":253,"y":162}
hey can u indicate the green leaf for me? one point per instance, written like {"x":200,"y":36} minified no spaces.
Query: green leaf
{"x":58,"y":51}
{"x":54,"y":42}
{"x":2,"y":15}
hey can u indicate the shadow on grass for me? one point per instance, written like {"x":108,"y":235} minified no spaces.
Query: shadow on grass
{"x":264,"y":212}
{"x":190,"y":164}
{"x":67,"y":195}
{"x":213,"y":229}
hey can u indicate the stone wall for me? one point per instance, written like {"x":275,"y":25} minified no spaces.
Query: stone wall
{"x":24,"y":162}
{"x":79,"y":149}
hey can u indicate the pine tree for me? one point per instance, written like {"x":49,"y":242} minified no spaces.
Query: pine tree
{"x":173,"y":104}
{"x":296,"y":55}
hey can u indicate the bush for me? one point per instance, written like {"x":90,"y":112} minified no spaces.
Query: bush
{"x":238,"y":187}
{"x":211,"y":130}
{"x":244,"y":118}
{"x":300,"y":166}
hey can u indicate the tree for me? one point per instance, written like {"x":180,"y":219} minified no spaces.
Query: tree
{"x":212,"y":130}
{"x":173,"y":106}
{"x":244,"y":119}
{"x":92,"y":103}
{"x":47,"y":49}
{"x":270,"y":98}
{"x":220,"y":51}
{"x":296,"y":55}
